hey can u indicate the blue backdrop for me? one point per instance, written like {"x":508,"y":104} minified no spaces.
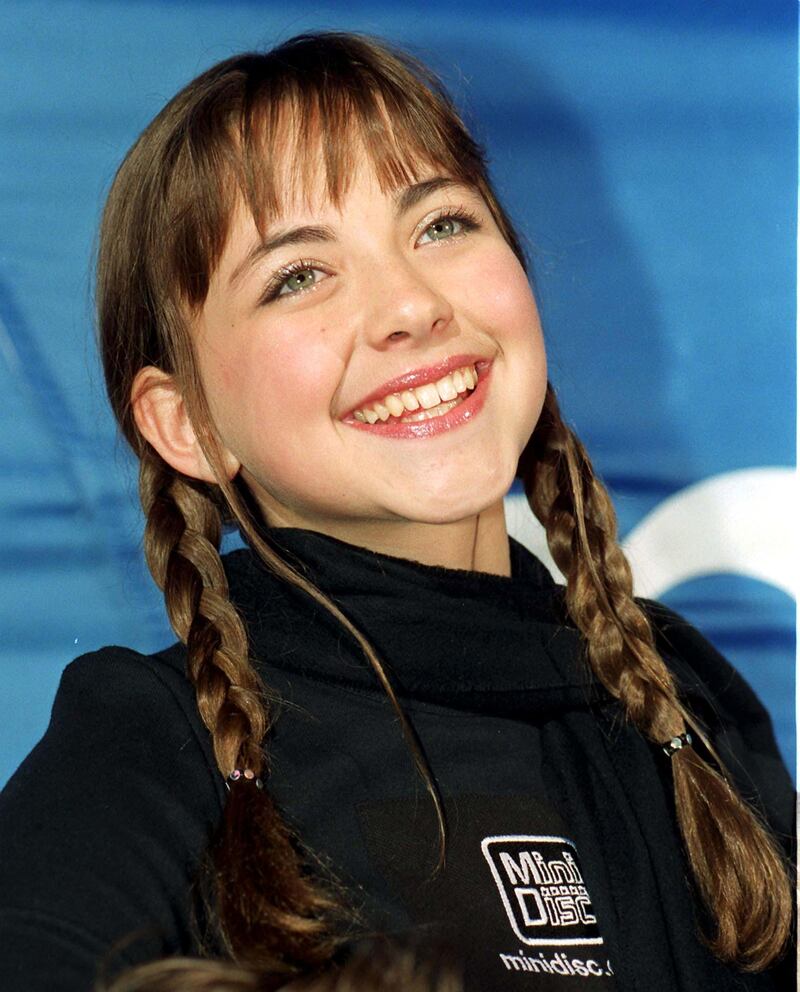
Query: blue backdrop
{"x":648,"y":151}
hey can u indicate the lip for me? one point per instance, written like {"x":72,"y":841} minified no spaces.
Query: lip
{"x":463,"y":413}
{"x":417,"y":377}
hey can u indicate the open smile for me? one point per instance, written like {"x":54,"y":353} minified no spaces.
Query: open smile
{"x":429,"y":409}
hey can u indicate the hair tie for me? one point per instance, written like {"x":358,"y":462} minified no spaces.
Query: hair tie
{"x":676,"y":743}
{"x":247,"y":774}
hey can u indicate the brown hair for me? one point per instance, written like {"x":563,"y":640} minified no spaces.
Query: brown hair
{"x":375,"y":965}
{"x":164,"y":228}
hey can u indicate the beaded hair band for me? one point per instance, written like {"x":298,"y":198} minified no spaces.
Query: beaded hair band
{"x":244,"y":774}
{"x":676,"y":743}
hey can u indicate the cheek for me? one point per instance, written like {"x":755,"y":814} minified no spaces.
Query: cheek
{"x":294,"y":376}
{"x":266,"y":381}
{"x":501,"y":293}
{"x":502,"y":304}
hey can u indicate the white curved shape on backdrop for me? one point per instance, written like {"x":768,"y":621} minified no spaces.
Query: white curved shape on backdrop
{"x":741,"y":522}
{"x":522,"y":525}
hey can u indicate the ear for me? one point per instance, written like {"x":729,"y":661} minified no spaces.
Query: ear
{"x":162,"y":418}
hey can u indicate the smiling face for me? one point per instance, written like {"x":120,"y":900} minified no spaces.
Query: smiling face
{"x":304,"y":330}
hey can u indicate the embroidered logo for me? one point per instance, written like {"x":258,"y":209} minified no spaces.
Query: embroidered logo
{"x":542,"y":889}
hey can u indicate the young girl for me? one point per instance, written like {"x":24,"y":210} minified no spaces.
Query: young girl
{"x":382,"y":715}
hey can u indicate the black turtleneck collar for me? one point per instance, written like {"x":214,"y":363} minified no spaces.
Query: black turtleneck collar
{"x":449,"y":636}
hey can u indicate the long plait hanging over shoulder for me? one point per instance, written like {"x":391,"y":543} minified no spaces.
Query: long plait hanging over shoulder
{"x":735,"y":861}
{"x":271,"y":915}
{"x":210,"y":151}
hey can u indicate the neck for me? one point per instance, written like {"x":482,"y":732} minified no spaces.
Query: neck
{"x":477,"y":544}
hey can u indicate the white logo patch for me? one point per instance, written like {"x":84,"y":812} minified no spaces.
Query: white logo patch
{"x":542,"y":889}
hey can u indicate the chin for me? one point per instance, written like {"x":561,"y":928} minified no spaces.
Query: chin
{"x":457,"y":499}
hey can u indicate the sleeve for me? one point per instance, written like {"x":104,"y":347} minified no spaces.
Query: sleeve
{"x":103,"y":825}
{"x":739,"y":725}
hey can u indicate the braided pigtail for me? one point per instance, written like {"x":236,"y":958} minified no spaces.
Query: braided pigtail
{"x":375,"y":965}
{"x":270,"y":914}
{"x":736,"y":863}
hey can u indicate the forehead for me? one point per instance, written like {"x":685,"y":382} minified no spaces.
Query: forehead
{"x":314,"y":197}
{"x":300,"y":160}
{"x":304,"y":182}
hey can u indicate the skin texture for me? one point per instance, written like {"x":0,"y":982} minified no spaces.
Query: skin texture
{"x":384,"y":297}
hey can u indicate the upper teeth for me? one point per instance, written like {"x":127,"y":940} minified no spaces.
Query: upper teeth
{"x":427,"y":396}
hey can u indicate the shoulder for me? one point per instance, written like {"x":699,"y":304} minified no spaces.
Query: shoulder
{"x":122,"y":725}
{"x":705,"y":678}
{"x":701,"y":671}
{"x":116,"y":683}
{"x":103,"y":824}
{"x":735,"y":719}
{"x":136,"y":697}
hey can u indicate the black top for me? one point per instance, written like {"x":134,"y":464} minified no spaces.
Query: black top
{"x":564,"y":865}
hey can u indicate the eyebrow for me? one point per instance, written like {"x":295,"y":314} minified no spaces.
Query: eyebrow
{"x":293,"y":236}
{"x":405,"y":200}
{"x":410,"y":196}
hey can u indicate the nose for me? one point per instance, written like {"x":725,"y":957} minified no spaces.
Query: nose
{"x":404,"y":306}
